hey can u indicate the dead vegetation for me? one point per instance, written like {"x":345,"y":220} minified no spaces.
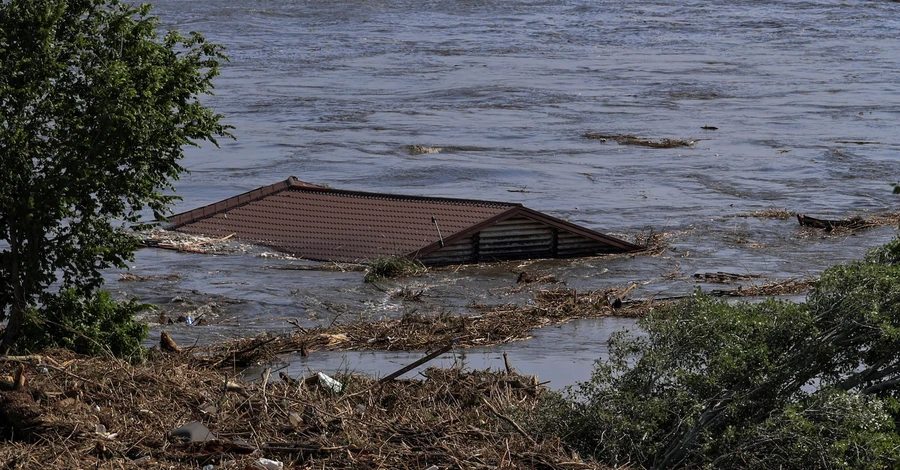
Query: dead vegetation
{"x":176,"y":241}
{"x":654,"y":243}
{"x":771,"y":213}
{"x":769,"y":289}
{"x":492,"y":325}
{"x":131,"y":277}
{"x":422,"y":149}
{"x":66,"y":412}
{"x":836,"y":227}
{"x":390,"y":267}
{"x":633,"y":140}
{"x":723,"y":277}
{"x":812,"y":226}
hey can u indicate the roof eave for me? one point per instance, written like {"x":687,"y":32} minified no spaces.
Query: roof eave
{"x":626,"y":247}
{"x":584,"y":232}
{"x":428,"y":249}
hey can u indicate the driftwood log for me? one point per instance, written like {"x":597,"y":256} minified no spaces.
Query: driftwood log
{"x":853,"y":223}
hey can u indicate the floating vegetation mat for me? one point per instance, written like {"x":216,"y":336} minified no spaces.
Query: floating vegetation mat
{"x":491,"y":325}
{"x":633,"y":140}
{"x":61,"y":411}
{"x":654,"y":243}
{"x":787,"y":287}
{"x":168,"y":240}
{"x":772,"y":213}
{"x":832,"y":226}
{"x":422,"y":149}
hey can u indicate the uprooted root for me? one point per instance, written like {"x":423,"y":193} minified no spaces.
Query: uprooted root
{"x":98,"y":413}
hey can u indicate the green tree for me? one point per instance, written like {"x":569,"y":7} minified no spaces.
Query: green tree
{"x":95,"y":109}
{"x":774,"y":384}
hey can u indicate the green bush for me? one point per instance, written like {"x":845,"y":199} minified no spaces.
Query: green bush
{"x":832,"y":429}
{"x":94,"y":326}
{"x":708,"y":383}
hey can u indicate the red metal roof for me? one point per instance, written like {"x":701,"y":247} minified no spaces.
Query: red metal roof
{"x":324,"y":224}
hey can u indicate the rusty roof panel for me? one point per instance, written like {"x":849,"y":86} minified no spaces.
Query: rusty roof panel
{"x":325,"y":224}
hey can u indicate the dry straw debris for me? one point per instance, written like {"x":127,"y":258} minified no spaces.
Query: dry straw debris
{"x":492,"y":325}
{"x":76,"y":412}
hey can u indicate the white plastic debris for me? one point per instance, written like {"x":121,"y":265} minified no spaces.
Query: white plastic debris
{"x":269,"y":464}
{"x":330,"y":383}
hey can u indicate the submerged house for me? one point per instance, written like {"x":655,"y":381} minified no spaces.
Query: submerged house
{"x":324,"y":224}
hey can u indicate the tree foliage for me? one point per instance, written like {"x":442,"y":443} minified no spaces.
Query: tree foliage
{"x":94,"y":326}
{"x":775,"y":384}
{"x":95,"y":109}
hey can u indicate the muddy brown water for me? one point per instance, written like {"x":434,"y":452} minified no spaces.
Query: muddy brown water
{"x":804,"y":97}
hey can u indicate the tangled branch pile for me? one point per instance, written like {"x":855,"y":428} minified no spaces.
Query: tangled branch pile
{"x":74,"y":412}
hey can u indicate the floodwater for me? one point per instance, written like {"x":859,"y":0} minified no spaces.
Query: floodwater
{"x":805,"y":96}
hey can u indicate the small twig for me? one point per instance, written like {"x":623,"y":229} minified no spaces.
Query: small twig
{"x":412,"y":366}
{"x":509,"y":367}
{"x":76,"y":376}
{"x":265,"y":382}
{"x":509,"y":420}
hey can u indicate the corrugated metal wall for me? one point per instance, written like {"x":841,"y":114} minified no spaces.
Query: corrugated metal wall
{"x":517,"y":238}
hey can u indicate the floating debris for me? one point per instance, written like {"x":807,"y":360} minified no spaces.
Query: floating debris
{"x":853,"y":223}
{"x":633,"y":140}
{"x":422,"y":150}
{"x":723,"y":277}
{"x":408,"y":294}
{"x":493,"y":325}
{"x":773,"y":213}
{"x":131,"y":277}
{"x":316,"y":266}
{"x":168,"y":240}
{"x":787,"y":287}
{"x":531,"y":278}
{"x":390,"y":267}
{"x":839,"y":227}
{"x":654,"y":243}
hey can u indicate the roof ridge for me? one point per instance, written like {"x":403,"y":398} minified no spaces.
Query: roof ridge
{"x":403,"y":197}
{"x":295,"y":184}
{"x":235,"y":201}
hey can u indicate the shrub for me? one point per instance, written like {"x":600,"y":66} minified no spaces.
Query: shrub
{"x":759,"y":385}
{"x":94,"y":326}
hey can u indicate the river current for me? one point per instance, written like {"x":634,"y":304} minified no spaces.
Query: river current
{"x":791,"y":105}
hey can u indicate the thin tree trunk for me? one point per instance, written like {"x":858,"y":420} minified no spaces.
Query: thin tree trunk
{"x":13,"y":327}
{"x":17,"y":310}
